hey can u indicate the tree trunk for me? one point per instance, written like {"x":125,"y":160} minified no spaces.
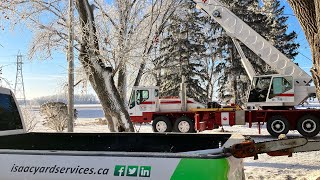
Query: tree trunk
{"x":233,"y":76}
{"x":308,"y":14}
{"x":122,"y":82}
{"x":100,"y":76}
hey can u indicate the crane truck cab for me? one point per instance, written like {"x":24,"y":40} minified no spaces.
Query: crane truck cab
{"x":271,"y":90}
{"x":143,"y":99}
{"x":276,"y":92}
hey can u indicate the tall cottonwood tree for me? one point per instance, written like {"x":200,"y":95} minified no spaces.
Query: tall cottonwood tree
{"x":308,"y":14}
{"x":105,"y":41}
{"x":100,"y":76}
{"x":158,"y":22}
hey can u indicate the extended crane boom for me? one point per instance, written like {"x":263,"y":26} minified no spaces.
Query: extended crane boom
{"x":238,"y":29}
{"x":290,"y":87}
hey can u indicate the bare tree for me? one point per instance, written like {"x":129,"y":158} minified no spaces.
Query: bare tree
{"x":158,"y":22}
{"x":100,"y":75}
{"x":29,"y":118}
{"x":308,"y":14}
{"x":133,"y":26}
{"x":55,"y":114}
{"x":116,"y":37}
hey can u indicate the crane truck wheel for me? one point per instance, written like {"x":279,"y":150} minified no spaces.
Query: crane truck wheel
{"x":161,"y":124}
{"x":277,"y":125}
{"x":184,"y":125}
{"x":308,"y":126}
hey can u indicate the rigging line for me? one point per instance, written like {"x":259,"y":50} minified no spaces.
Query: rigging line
{"x":305,"y":56}
{"x":8,"y":56}
{"x":302,"y":42}
{"x":5,"y":65}
{"x":298,"y":34}
{"x":8,"y":62}
{"x":305,"y":46}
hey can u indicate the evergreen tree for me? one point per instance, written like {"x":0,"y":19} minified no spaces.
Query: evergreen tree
{"x":230,"y":69}
{"x":182,"y":50}
{"x":280,"y":38}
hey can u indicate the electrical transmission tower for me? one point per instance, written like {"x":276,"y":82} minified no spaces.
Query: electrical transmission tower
{"x":1,"y":76}
{"x":19,"y":85}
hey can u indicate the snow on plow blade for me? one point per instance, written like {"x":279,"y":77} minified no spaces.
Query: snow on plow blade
{"x":95,"y":156}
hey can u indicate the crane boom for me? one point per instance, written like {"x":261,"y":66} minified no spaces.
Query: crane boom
{"x":238,"y":29}
{"x":245,"y":62}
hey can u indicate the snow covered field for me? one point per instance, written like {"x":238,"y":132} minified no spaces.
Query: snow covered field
{"x":302,"y":166}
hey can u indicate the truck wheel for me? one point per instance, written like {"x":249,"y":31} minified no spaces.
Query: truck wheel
{"x":277,"y":125}
{"x":308,"y":126}
{"x":161,"y":124}
{"x":184,"y":125}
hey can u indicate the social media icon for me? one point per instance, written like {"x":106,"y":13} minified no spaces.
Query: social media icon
{"x":145,"y":171}
{"x":119,"y":170}
{"x":132,"y":171}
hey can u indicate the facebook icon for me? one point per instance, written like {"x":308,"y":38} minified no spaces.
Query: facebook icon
{"x":119,"y":170}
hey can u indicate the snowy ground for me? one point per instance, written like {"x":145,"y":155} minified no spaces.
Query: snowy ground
{"x":302,"y":166}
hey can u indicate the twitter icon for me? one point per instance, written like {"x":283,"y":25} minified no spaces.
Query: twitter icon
{"x":132,"y":171}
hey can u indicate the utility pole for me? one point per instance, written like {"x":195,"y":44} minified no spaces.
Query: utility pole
{"x":70,"y":70}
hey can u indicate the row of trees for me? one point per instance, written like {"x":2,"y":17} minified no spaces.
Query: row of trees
{"x":78,"y":99}
{"x":130,"y":42}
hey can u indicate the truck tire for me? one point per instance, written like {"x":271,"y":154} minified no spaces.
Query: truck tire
{"x":308,"y":126}
{"x":277,"y":125}
{"x":184,"y":125}
{"x":161,"y":124}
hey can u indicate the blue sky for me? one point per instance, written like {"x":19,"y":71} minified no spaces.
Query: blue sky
{"x":304,"y":57}
{"x":46,"y":77}
{"x":41,"y":77}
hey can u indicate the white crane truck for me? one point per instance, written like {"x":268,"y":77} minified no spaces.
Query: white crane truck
{"x":98,"y":156}
{"x":271,"y":100}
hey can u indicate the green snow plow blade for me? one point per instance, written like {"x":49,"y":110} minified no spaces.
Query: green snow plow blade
{"x":202,"y":169}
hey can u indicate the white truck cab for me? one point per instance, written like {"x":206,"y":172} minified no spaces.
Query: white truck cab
{"x":145,"y":101}
{"x":11,"y":121}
